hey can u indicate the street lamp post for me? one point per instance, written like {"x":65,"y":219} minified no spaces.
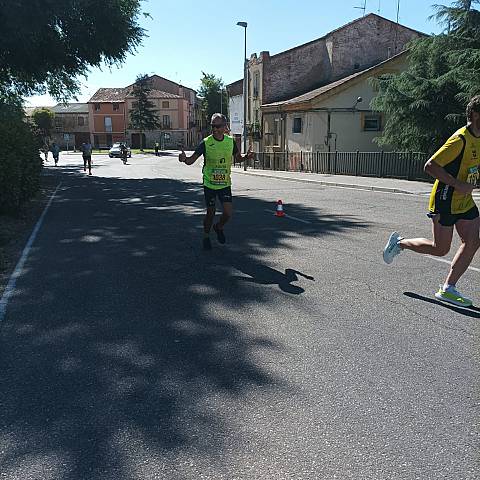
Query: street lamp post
{"x":245,"y":91}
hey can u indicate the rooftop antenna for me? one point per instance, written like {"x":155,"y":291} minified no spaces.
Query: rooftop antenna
{"x":396,"y":29}
{"x":364,"y":8}
{"x":379,"y":6}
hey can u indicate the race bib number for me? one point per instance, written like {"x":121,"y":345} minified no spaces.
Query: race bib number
{"x":219,"y":176}
{"x":472,"y":175}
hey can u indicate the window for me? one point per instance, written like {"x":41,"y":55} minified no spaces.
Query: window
{"x":81,"y":121}
{"x":256,"y":85}
{"x":97,"y":107}
{"x":372,"y":122}
{"x":116,"y":107}
{"x":166,"y":121}
{"x":165,"y":104}
{"x":58,"y":121}
{"x":297,"y":125}
{"x":108,"y":124}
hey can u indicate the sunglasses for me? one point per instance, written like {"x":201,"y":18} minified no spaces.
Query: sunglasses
{"x":217,"y":125}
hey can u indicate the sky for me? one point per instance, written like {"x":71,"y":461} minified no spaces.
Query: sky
{"x":187,"y":37}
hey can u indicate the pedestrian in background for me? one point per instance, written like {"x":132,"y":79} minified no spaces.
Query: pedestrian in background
{"x":55,"y":149}
{"x":86,"y":149}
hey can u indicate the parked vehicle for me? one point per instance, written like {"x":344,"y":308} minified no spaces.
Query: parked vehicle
{"x":116,"y":150}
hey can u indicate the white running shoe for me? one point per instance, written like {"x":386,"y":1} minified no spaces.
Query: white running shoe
{"x":392,"y":248}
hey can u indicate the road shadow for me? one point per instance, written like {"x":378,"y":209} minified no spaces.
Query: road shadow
{"x":473,"y":311}
{"x":125,"y":340}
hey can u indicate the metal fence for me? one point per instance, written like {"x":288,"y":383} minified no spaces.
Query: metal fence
{"x":403,"y":165}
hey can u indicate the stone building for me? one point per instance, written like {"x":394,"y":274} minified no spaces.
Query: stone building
{"x":352,"y":48}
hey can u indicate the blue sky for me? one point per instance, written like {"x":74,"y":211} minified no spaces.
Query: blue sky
{"x":188,"y":37}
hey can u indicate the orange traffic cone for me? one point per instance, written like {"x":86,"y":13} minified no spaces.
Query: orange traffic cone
{"x":279,"y":211}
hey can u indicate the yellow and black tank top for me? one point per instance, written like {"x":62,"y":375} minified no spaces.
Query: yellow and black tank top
{"x":460,"y":157}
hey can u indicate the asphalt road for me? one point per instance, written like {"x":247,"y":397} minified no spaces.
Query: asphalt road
{"x":292,"y":352}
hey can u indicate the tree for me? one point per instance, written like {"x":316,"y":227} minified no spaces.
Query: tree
{"x":46,"y":45}
{"x":425,"y":103}
{"x":43,"y":119}
{"x":213,"y":94}
{"x":143,"y":116}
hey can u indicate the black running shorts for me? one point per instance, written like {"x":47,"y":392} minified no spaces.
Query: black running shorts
{"x":449,"y":219}
{"x":223,"y":194}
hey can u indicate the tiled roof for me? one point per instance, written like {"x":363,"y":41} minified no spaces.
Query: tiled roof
{"x":306,"y":97}
{"x":156,"y":94}
{"x":109,"y":95}
{"x":114,"y":95}
{"x":70,"y":108}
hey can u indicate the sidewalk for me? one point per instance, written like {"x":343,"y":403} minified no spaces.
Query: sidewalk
{"x":391,"y":185}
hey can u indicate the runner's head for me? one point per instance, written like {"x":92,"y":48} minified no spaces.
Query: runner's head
{"x":473,"y":111}
{"x":218,"y":123}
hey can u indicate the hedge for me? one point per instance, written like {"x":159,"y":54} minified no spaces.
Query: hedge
{"x":20,"y":161}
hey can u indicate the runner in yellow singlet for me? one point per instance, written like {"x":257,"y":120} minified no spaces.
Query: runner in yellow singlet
{"x":218,"y":150}
{"x":455,"y":166}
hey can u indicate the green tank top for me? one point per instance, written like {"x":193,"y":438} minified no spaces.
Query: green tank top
{"x":218,"y":162}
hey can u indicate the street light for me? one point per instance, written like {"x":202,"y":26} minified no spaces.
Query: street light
{"x":245,"y":75}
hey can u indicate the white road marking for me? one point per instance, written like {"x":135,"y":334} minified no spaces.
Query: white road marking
{"x":443,"y":260}
{"x":10,"y":288}
{"x":291,"y":217}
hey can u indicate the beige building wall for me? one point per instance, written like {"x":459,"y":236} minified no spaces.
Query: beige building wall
{"x":348,"y":128}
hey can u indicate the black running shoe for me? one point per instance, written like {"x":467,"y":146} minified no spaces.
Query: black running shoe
{"x":207,"y":244}
{"x":220,"y":235}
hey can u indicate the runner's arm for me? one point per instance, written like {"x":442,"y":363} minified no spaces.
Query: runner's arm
{"x":199,"y":151}
{"x":446,"y":154}
{"x":239,"y":157}
{"x":188,"y":160}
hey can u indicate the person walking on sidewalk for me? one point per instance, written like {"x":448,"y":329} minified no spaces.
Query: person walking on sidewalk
{"x":455,"y":166}
{"x":55,"y":149}
{"x":86,"y":149}
{"x":218,"y":150}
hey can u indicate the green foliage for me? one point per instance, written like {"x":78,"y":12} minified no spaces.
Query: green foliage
{"x":46,"y":44}
{"x":20,"y":162}
{"x":43,"y":119}
{"x":426,"y":103}
{"x":143,"y":116}
{"x":213,"y":94}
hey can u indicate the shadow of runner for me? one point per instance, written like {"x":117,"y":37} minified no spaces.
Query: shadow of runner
{"x":125,"y":342}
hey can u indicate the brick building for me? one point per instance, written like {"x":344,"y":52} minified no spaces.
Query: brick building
{"x":176,"y":106}
{"x":352,"y":48}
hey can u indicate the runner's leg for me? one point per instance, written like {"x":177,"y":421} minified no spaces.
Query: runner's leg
{"x":226,"y":215}
{"x":439,"y":246}
{"x":468,"y":230}
{"x":208,"y":220}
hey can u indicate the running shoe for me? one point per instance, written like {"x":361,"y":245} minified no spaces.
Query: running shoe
{"x":220,"y":235}
{"x":392,"y":248}
{"x":207,"y":244}
{"x":451,"y":295}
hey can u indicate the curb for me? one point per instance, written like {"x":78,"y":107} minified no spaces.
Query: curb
{"x":337,"y":184}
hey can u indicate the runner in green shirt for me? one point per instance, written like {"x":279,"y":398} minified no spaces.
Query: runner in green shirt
{"x":218,"y":150}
